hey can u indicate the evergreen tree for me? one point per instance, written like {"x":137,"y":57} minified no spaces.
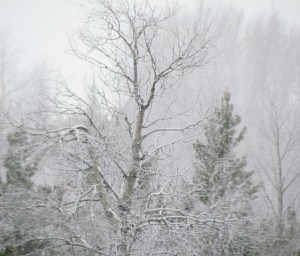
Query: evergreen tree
{"x":219,"y":173}
{"x":15,"y":192}
{"x":17,"y":162}
{"x":223,"y":186}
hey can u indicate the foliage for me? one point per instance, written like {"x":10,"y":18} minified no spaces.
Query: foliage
{"x":22,"y":206}
{"x":219,"y":173}
{"x":19,"y":167}
{"x":222,"y":187}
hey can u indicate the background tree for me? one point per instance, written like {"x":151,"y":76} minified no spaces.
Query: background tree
{"x":19,"y":167}
{"x":219,"y":173}
{"x":278,"y":168}
{"x":7,"y":70}
{"x":20,"y":218}
{"x":221,"y":184}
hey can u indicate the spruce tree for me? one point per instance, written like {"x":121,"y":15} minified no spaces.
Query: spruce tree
{"x":15,"y":192}
{"x":17,"y":161}
{"x":219,"y":172}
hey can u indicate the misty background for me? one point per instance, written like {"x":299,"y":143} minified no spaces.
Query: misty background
{"x":254,"y":56}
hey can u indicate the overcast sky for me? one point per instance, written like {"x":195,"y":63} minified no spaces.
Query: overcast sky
{"x":39,"y":27}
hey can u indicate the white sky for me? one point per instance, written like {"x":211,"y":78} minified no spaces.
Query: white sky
{"x":39,"y":27}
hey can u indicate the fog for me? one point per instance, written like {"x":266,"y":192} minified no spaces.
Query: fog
{"x":145,"y":127}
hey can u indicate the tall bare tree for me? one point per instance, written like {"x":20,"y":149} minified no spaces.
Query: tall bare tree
{"x":278,"y":168}
{"x":7,"y":68}
{"x":139,"y":50}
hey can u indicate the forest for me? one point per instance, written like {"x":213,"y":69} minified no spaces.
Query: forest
{"x":183,"y":138}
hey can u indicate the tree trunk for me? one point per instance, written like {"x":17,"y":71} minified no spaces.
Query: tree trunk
{"x":126,"y":201}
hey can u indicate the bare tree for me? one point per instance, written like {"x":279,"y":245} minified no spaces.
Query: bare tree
{"x":278,"y":168}
{"x":7,"y":68}
{"x":139,"y":52}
